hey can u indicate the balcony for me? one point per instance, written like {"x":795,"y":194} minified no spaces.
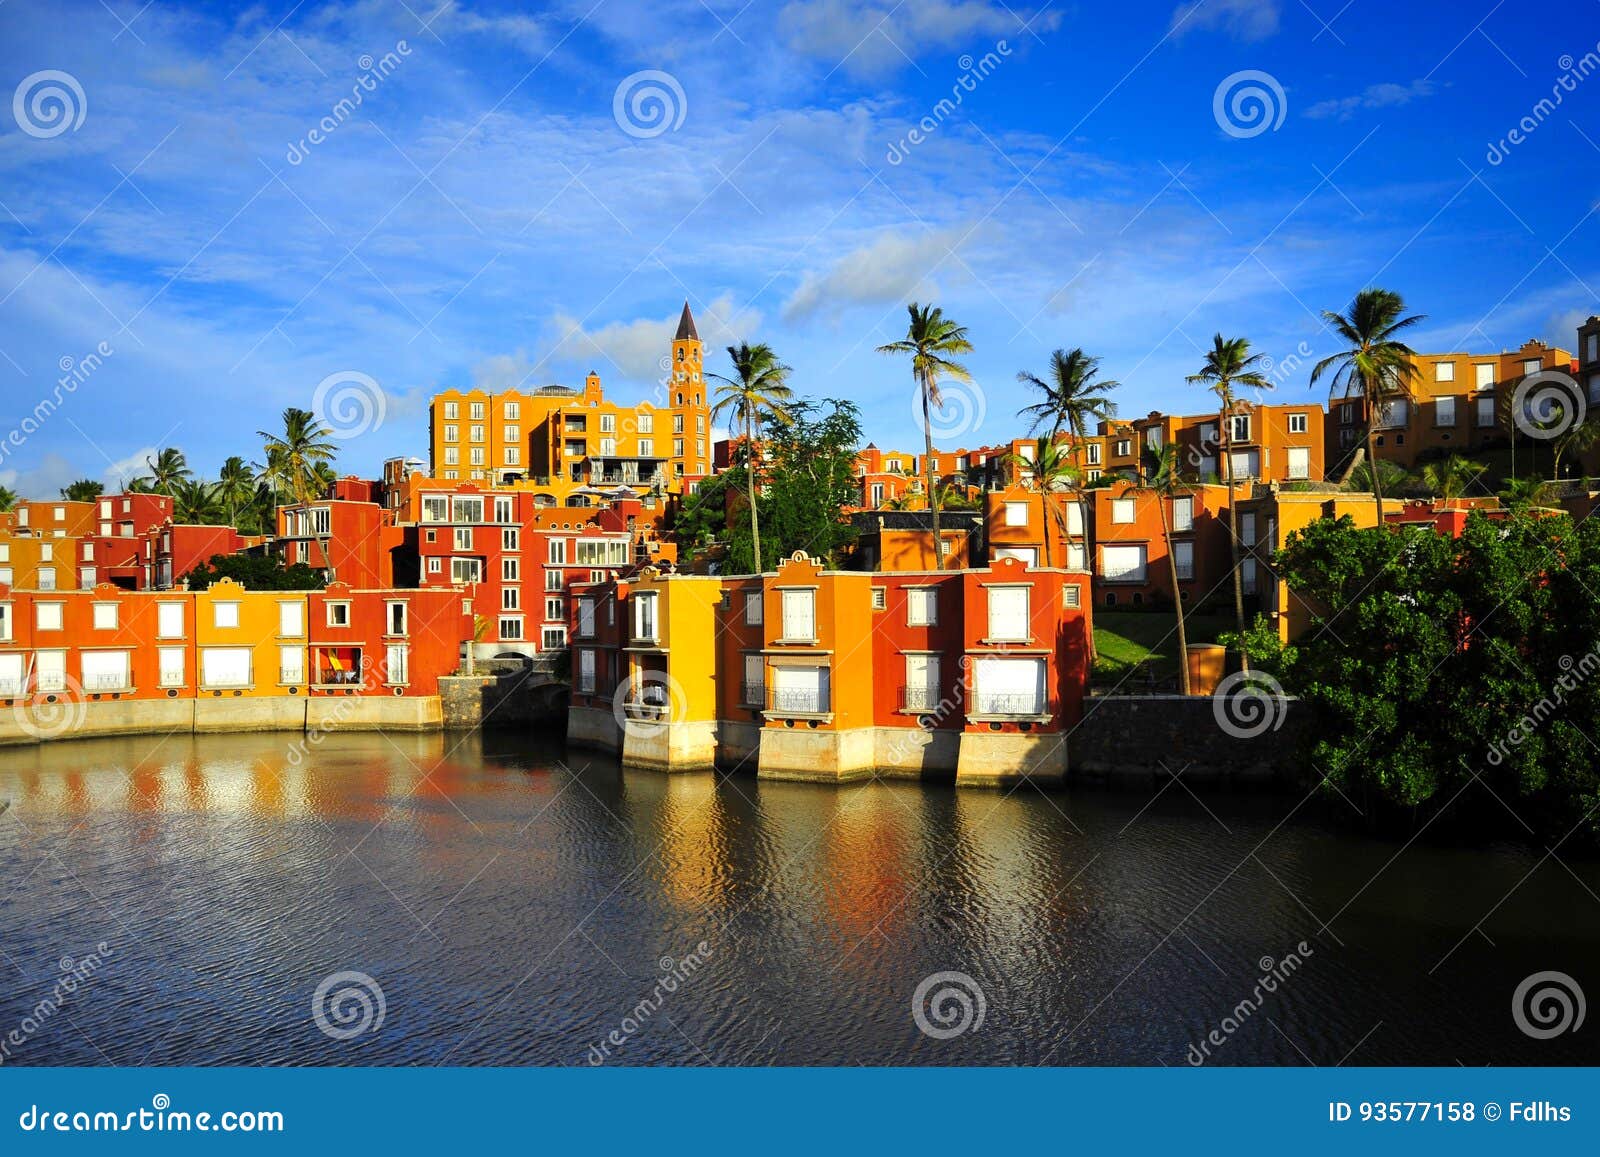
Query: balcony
{"x":753,"y":695}
{"x":11,"y":688}
{"x":172,"y":678}
{"x":1019,"y":704}
{"x":920,"y":699}
{"x":799,"y":701}
{"x":107,"y":683}
{"x":288,"y":675}
{"x":51,"y":682}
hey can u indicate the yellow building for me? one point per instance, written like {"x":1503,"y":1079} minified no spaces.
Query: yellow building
{"x":31,"y":562}
{"x":570,"y":439}
{"x":247,"y":643}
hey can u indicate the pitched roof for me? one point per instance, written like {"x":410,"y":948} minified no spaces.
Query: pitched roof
{"x":686,"y":330}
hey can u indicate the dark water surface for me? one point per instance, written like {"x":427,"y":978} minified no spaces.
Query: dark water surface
{"x":516,"y":903}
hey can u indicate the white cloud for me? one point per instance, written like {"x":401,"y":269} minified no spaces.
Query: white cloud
{"x":893,"y":267}
{"x":638,"y":349}
{"x":1373,"y":96}
{"x":1242,"y":19}
{"x":876,"y":35}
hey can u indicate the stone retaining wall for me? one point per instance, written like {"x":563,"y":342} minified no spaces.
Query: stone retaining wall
{"x":1147,"y":736}
{"x":86,"y":720}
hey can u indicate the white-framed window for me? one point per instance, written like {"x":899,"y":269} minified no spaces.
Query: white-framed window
{"x":799,"y":615}
{"x":170,"y":665}
{"x":558,"y":552}
{"x":1393,"y":413}
{"x":922,"y":683}
{"x":1122,"y":563}
{"x":1008,"y":686}
{"x":1299,"y":462}
{"x":644,"y":616}
{"x":452,"y":433}
{"x":436,"y":508}
{"x":1298,"y":423}
{"x":88,"y":551}
{"x":510,"y":628}
{"x":512,"y":434}
{"x":553,"y":637}
{"x":510,"y":570}
{"x":1444,"y":411}
{"x":1532,"y":365}
{"x":50,"y":670}
{"x":462,"y":538}
{"x":435,"y":564}
{"x":608,"y":423}
{"x":291,"y":619}
{"x":800,"y":690}
{"x":1444,"y":371}
{"x":1183,"y":557}
{"x":466,"y":570}
{"x":647,"y":422}
{"x":752,"y":608}
{"x":5,"y":622}
{"x":225,"y":667}
{"x":475,"y":433}
{"x":1483,"y":375}
{"x":1122,"y":511}
{"x":513,"y":411}
{"x":505,"y":509}
{"x":452,"y":411}
{"x":475,"y":411}
{"x":510,"y":539}
{"x":1486,"y":411}
{"x":224,"y":615}
{"x":397,"y":619}
{"x":586,"y":679}
{"x":1009,"y":619}
{"x":553,"y":580}
{"x":555,"y":610}
{"x":647,"y":448}
{"x":338,"y":614}
{"x":291,"y":664}
{"x":510,"y":599}
{"x":1016,"y":514}
{"x":1182,"y":514}
{"x":47,"y":552}
{"x":1074,"y":519}
{"x":753,"y":692}
{"x":1239,"y":427}
{"x":1093,"y":452}
{"x":396,"y":664}
{"x":466,"y":510}
{"x":105,"y":670}
{"x":105,"y":616}
{"x":585,"y":618}
{"x":922,"y":606}
{"x":169,"y":620}
{"x":1028,"y":555}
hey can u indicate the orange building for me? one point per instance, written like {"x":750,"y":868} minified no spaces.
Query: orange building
{"x":561,"y":439}
{"x":1266,"y":443}
{"x":1131,"y":564}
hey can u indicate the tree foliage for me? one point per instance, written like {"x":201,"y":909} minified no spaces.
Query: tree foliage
{"x":1443,"y":664}
{"x":255,"y":572}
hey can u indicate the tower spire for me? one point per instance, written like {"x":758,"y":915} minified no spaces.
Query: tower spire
{"x":686,"y":330}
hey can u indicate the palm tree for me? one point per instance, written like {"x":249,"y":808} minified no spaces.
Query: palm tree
{"x":1228,"y":366}
{"x":1377,"y":366}
{"x":1051,"y":470}
{"x":932,"y":340}
{"x":1391,"y":476}
{"x":8,"y":498}
{"x":1576,"y":440}
{"x":167,"y":469}
{"x":83,"y":490}
{"x":1072,"y":396}
{"x":1451,"y":477}
{"x":236,"y":486}
{"x":1527,"y":492}
{"x":196,"y":503}
{"x":759,"y":384}
{"x":1167,"y":482}
{"x":295,"y":456}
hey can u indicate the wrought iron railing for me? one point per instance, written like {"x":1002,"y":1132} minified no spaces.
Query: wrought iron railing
{"x":1009,"y":703}
{"x":919,"y":698}
{"x":800,"y":701}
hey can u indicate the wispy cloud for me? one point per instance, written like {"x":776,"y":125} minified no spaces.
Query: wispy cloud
{"x":1242,"y":19}
{"x":1373,"y":96}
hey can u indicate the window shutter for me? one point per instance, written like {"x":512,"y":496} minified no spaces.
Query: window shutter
{"x":799,"y":614}
{"x":1008,"y":612}
{"x":1122,"y":562}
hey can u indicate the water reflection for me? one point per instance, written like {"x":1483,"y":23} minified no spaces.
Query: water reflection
{"x":515,"y":900}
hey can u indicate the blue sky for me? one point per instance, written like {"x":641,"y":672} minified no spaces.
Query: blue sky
{"x":484,"y":216}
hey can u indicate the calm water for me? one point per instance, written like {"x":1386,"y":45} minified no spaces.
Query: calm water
{"x":514,"y":911}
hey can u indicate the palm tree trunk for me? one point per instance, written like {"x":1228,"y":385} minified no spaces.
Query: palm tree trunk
{"x":1177,"y":598}
{"x":1372,"y":465}
{"x":1049,"y":511}
{"x":752,"y":427}
{"x":1088,"y":559}
{"x":927,"y":473}
{"x":1233,"y":523}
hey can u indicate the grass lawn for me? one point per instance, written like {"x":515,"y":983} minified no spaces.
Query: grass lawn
{"x":1125,"y":639}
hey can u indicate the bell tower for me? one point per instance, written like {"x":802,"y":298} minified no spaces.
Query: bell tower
{"x":686,"y":397}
